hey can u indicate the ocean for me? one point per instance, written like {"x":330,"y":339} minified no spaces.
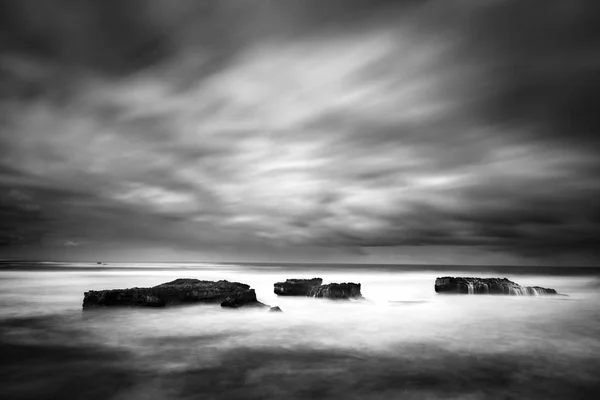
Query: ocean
{"x":403,"y":341}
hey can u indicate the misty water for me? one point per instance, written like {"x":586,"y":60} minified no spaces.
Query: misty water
{"x":403,"y":341}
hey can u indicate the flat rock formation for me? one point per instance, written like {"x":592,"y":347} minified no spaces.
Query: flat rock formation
{"x":487,"y":286}
{"x":179,"y":291}
{"x":245,"y":298}
{"x":340,"y":291}
{"x":314,"y":288}
{"x":296,"y":287}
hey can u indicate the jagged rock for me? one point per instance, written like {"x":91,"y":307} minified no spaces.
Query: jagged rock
{"x":337,"y":291}
{"x":296,"y":287}
{"x":275,"y":309}
{"x":245,"y":298}
{"x":487,"y":286}
{"x":314,"y":288}
{"x":178,"y":291}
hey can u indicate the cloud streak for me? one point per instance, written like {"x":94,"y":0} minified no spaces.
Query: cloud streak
{"x":243,"y":130}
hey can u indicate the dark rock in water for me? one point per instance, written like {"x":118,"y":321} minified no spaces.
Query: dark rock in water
{"x":487,"y":286}
{"x":275,"y":309}
{"x":179,"y":291}
{"x":296,"y":287}
{"x":246,"y":298}
{"x":136,"y":297}
{"x":337,"y":291}
{"x":315,"y":288}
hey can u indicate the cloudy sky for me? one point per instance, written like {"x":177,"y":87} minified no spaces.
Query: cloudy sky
{"x":341,"y":131}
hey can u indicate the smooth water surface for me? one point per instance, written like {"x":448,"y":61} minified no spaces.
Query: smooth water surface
{"x":403,"y":341}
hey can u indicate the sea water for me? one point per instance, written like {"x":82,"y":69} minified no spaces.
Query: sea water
{"x":403,"y":341}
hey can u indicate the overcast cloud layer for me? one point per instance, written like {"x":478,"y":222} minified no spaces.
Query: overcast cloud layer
{"x":439,"y":131}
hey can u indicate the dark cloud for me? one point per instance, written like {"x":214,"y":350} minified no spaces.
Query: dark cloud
{"x":108,"y":36}
{"x":275,"y":127}
{"x":546,"y":67}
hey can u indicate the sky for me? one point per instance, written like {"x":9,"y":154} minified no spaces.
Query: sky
{"x":445,"y":132}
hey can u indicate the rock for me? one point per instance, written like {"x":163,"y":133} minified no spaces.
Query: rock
{"x":338,"y":291}
{"x":153,"y":301}
{"x":296,"y":287}
{"x":314,"y":288}
{"x":245,"y":298}
{"x":179,"y":291}
{"x":487,"y":286}
{"x":275,"y":309}
{"x":136,"y":297}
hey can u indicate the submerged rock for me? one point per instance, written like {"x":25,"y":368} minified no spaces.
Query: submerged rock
{"x":337,"y":291}
{"x":296,"y":287}
{"x":488,"y":286}
{"x":179,"y":291}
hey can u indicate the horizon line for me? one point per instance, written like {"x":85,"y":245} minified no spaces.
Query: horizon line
{"x":298,"y":263}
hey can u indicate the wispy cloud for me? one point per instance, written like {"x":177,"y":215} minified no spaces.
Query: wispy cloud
{"x":275,"y":128}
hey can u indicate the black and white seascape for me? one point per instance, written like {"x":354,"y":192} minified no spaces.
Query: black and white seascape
{"x":312,"y":199}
